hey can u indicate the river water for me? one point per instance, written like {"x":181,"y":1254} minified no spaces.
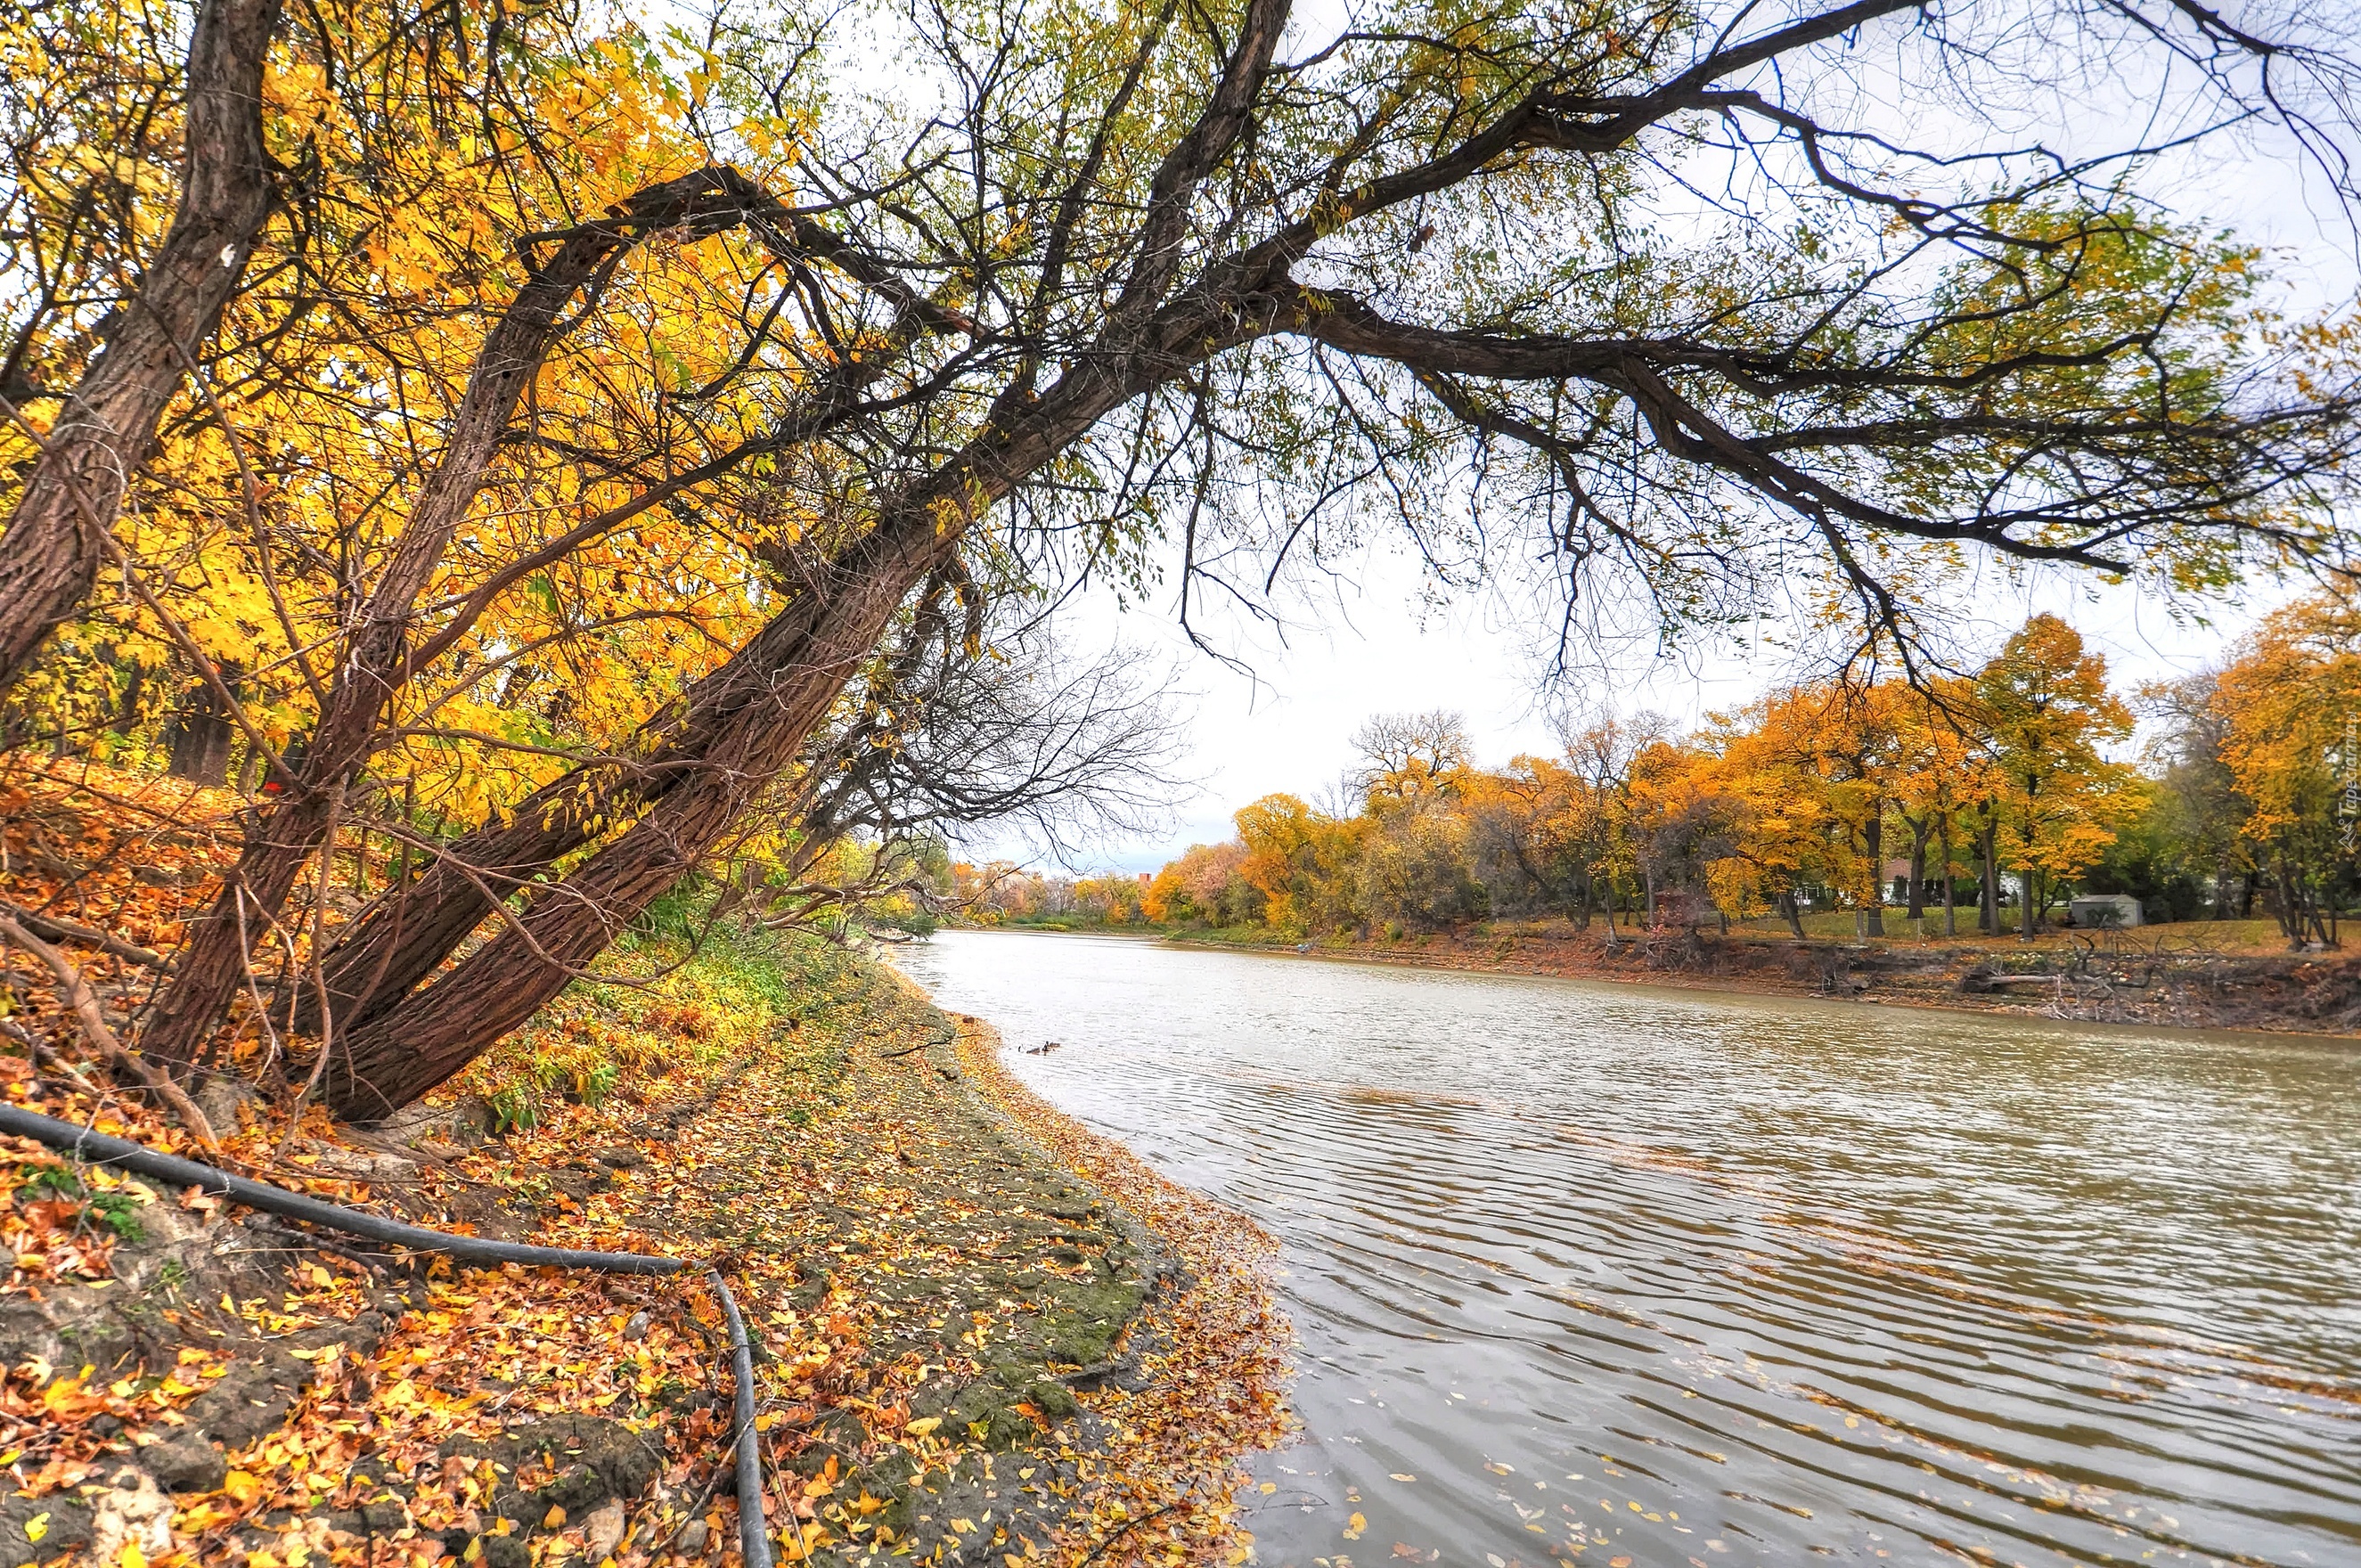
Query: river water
{"x":1638,"y":1277}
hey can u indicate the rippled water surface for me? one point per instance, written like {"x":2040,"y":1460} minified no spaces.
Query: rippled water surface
{"x":1673,"y":1277}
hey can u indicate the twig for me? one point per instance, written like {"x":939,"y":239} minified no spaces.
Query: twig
{"x":1128,"y":1526}
{"x":102,"y":1038}
{"x":61,"y":930}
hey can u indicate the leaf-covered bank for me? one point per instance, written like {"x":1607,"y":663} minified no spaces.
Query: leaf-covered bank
{"x":980,"y":1335}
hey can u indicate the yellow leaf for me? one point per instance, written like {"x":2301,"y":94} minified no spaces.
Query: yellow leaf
{"x":552,"y":1520}
{"x":131,"y":1556}
{"x":242,"y":1486}
{"x":36,"y":1526}
{"x":924,"y":1425}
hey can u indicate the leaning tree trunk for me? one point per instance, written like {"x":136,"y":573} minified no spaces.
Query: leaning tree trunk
{"x":390,"y":1062}
{"x":377,"y":659}
{"x":49,"y":555}
{"x":403,"y":938}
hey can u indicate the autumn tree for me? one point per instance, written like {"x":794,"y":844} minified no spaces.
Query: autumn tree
{"x":2290,"y":711}
{"x":109,"y":317}
{"x":1149,"y":286}
{"x":1782,"y":832}
{"x":1404,"y":756}
{"x":1936,"y":758}
{"x":2052,"y":717}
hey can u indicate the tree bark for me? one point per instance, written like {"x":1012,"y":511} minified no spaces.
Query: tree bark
{"x":1794,"y":917}
{"x":49,"y":555}
{"x":1988,"y":895}
{"x":202,"y":734}
{"x":405,"y":934}
{"x":1920,"y":831}
{"x":390,"y":1060}
{"x":376,"y":660}
{"x":1950,"y":906}
{"x":1873,"y":840}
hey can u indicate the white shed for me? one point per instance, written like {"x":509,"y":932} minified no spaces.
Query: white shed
{"x":2103,"y":910}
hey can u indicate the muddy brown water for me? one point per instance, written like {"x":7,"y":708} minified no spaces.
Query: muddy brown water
{"x":1597,"y":1272}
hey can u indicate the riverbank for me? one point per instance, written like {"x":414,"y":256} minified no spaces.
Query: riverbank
{"x":1787,"y":1276}
{"x":969,"y":1350}
{"x":2116,"y":978}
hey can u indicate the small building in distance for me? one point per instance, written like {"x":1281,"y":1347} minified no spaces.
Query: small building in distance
{"x":2104,"y":911}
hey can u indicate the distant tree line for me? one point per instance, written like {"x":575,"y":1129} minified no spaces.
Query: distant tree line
{"x":1967,"y":800}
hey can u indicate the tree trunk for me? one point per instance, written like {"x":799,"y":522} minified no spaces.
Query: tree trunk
{"x":401,"y":1053}
{"x":1950,"y":915}
{"x":202,"y":734}
{"x":1988,"y":896}
{"x":51,"y":552}
{"x":376,"y":659}
{"x":1919,"y":834}
{"x":1794,"y":917}
{"x":1873,"y":837}
{"x":401,"y":938}
{"x":2030,"y":902}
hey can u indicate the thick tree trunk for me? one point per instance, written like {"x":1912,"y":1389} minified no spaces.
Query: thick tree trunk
{"x":51,"y":555}
{"x":1950,"y":903}
{"x":1988,"y":896}
{"x":202,"y":734}
{"x":1919,"y":834}
{"x":401,"y":939}
{"x":1794,"y":917}
{"x":400,"y":1054}
{"x":1873,"y":840}
{"x":376,"y":660}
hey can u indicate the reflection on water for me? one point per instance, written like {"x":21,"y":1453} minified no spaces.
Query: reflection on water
{"x":1650,"y":1277}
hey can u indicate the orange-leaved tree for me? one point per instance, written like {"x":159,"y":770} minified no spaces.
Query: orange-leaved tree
{"x":2057,"y":796}
{"x":2290,"y":707}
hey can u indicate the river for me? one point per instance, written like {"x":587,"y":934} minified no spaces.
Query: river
{"x":1669,"y":1278}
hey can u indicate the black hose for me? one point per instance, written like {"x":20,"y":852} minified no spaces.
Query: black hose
{"x":98,"y":1149}
{"x":753,"y":1537}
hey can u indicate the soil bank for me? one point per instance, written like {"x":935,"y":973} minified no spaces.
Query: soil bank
{"x":2117,"y":979}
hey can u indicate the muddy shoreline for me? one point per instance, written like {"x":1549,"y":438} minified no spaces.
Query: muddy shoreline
{"x":2310,"y":994}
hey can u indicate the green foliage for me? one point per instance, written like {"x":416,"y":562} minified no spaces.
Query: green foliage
{"x":119,"y":1213}
{"x":513,"y":1109}
{"x":56,"y":1180}
{"x":2151,"y":861}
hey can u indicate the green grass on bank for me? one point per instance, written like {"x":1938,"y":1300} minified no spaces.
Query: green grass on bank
{"x":673,"y":994}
